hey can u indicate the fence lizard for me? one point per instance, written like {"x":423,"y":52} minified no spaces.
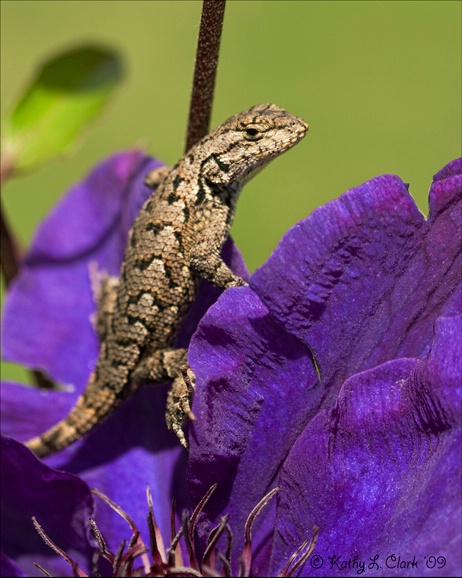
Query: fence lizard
{"x":175,"y":241}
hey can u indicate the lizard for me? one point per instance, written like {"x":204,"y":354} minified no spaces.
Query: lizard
{"x":175,"y":241}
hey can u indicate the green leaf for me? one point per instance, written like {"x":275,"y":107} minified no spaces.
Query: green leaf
{"x":68,"y":91}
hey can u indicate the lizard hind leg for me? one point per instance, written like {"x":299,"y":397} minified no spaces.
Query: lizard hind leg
{"x":171,"y":364}
{"x":179,"y":400}
{"x":104,"y":288}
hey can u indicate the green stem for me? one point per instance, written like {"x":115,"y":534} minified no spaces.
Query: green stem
{"x":208,"y":47}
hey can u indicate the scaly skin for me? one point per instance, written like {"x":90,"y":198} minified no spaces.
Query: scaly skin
{"x":175,"y":241}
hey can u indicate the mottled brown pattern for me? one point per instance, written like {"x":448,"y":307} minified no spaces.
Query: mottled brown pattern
{"x":175,"y":241}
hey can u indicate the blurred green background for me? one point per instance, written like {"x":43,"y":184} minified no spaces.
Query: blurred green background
{"x":378,"y":82}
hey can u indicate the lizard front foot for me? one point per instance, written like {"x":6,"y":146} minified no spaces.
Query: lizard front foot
{"x":179,"y":401}
{"x":237,"y":282}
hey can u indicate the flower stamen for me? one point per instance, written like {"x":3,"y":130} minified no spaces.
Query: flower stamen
{"x":170,"y":562}
{"x":156,"y":541}
{"x":247,"y":550}
{"x":49,"y":542}
{"x":310,"y":544}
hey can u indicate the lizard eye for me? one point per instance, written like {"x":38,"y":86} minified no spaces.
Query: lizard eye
{"x":253,"y":133}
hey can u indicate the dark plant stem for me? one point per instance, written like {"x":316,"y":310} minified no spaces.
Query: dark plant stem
{"x":41,"y":380}
{"x":9,"y":249}
{"x":208,"y":47}
{"x":10,"y":254}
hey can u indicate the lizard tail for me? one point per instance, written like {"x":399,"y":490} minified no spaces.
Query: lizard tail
{"x":87,"y":412}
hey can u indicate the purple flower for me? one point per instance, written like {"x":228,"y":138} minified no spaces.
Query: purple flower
{"x":47,"y":324}
{"x":335,"y":376}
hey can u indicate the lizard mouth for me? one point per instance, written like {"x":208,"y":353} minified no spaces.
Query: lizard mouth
{"x":302,"y":127}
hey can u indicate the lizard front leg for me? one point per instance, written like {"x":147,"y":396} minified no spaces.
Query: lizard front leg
{"x":207,"y":263}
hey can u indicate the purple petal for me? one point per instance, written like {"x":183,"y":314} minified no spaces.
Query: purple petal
{"x":27,"y":412}
{"x":379,"y":474}
{"x":52,"y":298}
{"x":254,"y":394}
{"x":364,"y":277}
{"x":452,"y":169}
{"x":124,"y":455}
{"x":357,"y":284}
{"x":120,"y":461}
{"x":8,"y":567}
{"x":61,"y":503}
{"x":48,"y":308}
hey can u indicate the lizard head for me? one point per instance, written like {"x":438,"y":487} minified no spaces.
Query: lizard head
{"x":247,"y":142}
